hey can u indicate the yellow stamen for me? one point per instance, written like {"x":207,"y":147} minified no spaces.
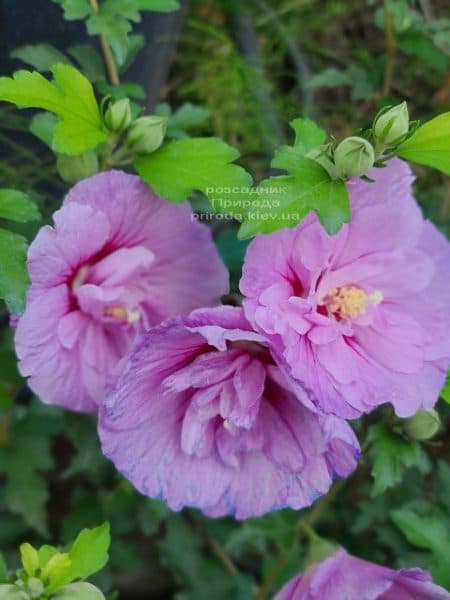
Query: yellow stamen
{"x":350,"y":301}
{"x":122,"y":314}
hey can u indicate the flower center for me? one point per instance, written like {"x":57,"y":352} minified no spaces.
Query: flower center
{"x":122,"y":314}
{"x":350,"y":302}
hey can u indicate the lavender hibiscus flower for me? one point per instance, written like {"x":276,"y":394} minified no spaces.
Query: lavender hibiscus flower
{"x":201,"y":416}
{"x":344,"y":577}
{"x":359,"y":318}
{"x":118,"y":260}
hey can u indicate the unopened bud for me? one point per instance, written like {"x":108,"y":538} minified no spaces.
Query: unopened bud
{"x":11,"y":592}
{"x":75,"y":168}
{"x":354,"y":156}
{"x":78,"y":590}
{"x":118,"y":116}
{"x":392,"y":125}
{"x":146,"y":134}
{"x":36,"y":587}
{"x":423,"y":425}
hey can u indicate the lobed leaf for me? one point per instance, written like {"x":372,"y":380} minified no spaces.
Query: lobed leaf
{"x":70,"y":96}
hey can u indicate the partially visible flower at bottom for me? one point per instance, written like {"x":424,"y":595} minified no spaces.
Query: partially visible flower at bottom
{"x":201,"y":416}
{"x":345,"y":577}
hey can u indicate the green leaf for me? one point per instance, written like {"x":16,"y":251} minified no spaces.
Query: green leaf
{"x":204,"y":164}
{"x":30,"y":559}
{"x":285,"y":200}
{"x":231,"y":250}
{"x":330,"y":77}
{"x":26,"y":494}
{"x":3,"y":569}
{"x":186,"y":117}
{"x":75,"y":9}
{"x":17,"y":206}
{"x":43,"y":127}
{"x":70,"y":96}
{"x":392,"y":455}
{"x":115,"y":29}
{"x":45,"y":553}
{"x":88,"y":554}
{"x":431,"y":532}
{"x":308,"y":135}
{"x":40,"y":56}
{"x":445,"y":392}
{"x":158,"y":5}
{"x":430,"y":144}
{"x":90,"y":61}
{"x":13,"y":274}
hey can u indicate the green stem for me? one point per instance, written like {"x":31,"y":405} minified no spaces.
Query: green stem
{"x":111,"y":67}
{"x":391,"y":50}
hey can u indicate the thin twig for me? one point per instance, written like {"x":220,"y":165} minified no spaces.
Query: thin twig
{"x":111,"y":67}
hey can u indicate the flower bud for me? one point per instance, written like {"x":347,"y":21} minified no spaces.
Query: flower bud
{"x":146,"y":134}
{"x":11,"y":592}
{"x":36,"y":587}
{"x":392,"y":125}
{"x":354,"y":156}
{"x":423,"y":425}
{"x":75,"y":168}
{"x":118,"y":116}
{"x":78,"y":590}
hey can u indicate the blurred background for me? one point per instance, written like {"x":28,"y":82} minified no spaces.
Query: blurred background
{"x":241,"y":71}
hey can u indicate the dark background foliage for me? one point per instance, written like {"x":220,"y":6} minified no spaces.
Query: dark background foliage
{"x":251,"y":67}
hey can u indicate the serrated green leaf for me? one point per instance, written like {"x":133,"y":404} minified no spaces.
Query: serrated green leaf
{"x":75,"y":9}
{"x":204,"y":164}
{"x":17,"y":206}
{"x":308,"y":135}
{"x":285,"y":200}
{"x":40,"y":56}
{"x":13,"y":274}
{"x":88,"y":555}
{"x":392,"y":455}
{"x":430,"y":144}
{"x":70,"y":96}
{"x":43,"y":127}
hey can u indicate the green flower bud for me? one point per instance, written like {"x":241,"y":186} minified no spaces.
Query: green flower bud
{"x":75,"y":168}
{"x":423,"y":425}
{"x":78,"y":590}
{"x":146,"y":134}
{"x":392,"y":125}
{"x":118,"y":116}
{"x":11,"y":592}
{"x":36,"y":587}
{"x":354,"y":156}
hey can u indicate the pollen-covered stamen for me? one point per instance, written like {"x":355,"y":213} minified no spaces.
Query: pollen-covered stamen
{"x":350,"y":301}
{"x":122,"y":314}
